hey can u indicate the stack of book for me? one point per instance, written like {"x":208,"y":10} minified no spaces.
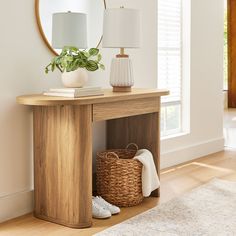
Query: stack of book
{"x":74,"y":92}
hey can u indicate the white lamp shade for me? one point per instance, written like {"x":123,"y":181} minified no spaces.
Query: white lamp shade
{"x":121,"y":28}
{"x":69,"y":29}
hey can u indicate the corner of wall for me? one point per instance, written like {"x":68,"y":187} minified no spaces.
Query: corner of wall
{"x":15,"y":205}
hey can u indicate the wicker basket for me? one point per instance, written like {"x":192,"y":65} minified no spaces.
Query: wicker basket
{"x":119,"y":176}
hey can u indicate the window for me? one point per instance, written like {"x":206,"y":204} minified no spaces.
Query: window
{"x":171,"y":37}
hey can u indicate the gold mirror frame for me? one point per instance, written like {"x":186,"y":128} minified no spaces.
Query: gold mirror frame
{"x":41,"y":31}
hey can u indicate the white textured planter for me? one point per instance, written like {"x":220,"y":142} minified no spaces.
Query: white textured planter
{"x":75,"y":79}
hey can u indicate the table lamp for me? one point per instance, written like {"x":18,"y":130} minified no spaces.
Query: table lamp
{"x":69,"y":29}
{"x":121,"y":29}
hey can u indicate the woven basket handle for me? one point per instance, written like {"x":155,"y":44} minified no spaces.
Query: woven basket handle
{"x":132,"y":145}
{"x":112,"y":155}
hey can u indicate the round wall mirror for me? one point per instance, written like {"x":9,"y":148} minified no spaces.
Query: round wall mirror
{"x":94,"y":9}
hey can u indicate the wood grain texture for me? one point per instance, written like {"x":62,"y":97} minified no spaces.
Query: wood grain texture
{"x":112,"y":110}
{"x":142,"y":130}
{"x":232,"y":53}
{"x":63,"y":146}
{"x":122,"y":89}
{"x":109,"y":96}
{"x":63,"y":164}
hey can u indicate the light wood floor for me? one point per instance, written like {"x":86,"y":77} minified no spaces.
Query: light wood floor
{"x":175,"y":181}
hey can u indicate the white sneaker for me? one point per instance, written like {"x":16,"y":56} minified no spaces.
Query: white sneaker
{"x":99,"y":212}
{"x":113,"y":209}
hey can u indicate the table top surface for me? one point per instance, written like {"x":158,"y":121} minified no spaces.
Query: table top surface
{"x":109,"y":96}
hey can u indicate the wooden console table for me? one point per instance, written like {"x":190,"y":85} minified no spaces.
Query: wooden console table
{"x":63,"y":146}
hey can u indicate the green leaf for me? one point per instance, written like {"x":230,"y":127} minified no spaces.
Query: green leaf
{"x":78,"y":56}
{"x":59,"y":68}
{"x":85,"y":54}
{"x":93,"y":51}
{"x":83,"y":57}
{"x":91,"y":65}
{"x":63,"y":53}
{"x":63,"y":64}
{"x":53,"y":67}
{"x":71,"y":58}
{"x":74,"y":49}
{"x":75,"y":65}
{"x":102,"y":67}
{"x":82,"y":64}
{"x":99,"y":57}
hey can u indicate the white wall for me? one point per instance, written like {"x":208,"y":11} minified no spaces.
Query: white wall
{"x":24,"y":56}
{"x":21,"y":71}
{"x":206,"y":71}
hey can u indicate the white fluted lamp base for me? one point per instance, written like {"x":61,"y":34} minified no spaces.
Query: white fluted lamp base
{"x":121,"y":77}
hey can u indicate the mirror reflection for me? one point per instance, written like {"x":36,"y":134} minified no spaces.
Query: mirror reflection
{"x":92,"y":8}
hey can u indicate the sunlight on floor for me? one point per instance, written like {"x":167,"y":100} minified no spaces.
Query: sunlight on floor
{"x":220,"y":169}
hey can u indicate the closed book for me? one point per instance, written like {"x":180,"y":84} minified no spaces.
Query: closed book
{"x":75,"y":90}
{"x":73,"y":95}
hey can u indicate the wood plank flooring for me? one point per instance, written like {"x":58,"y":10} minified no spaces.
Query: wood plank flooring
{"x":175,"y":181}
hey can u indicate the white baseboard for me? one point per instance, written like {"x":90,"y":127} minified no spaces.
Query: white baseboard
{"x":189,"y":153}
{"x":14,"y":205}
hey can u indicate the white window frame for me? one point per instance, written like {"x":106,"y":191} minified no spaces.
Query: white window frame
{"x":184,"y":101}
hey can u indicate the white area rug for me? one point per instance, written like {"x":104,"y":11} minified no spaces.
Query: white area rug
{"x":207,"y":210}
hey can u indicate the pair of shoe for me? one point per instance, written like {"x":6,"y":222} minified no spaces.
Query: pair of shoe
{"x":102,"y":209}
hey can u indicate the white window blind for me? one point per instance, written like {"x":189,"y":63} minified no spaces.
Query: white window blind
{"x":170,"y":48}
{"x":170,"y":63}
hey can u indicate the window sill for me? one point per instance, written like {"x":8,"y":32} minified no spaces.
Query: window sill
{"x":171,"y":136}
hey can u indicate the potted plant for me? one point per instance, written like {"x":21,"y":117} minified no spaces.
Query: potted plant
{"x":74,"y":64}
